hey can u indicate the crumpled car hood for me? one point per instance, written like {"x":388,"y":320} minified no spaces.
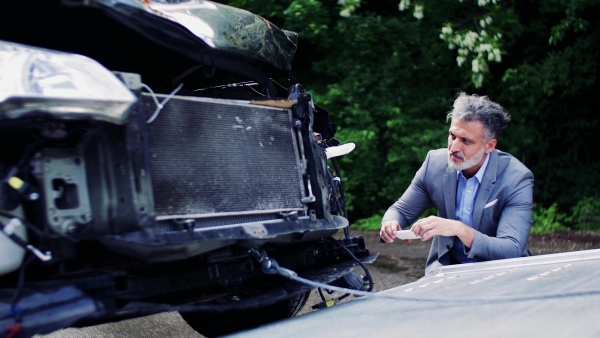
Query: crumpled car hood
{"x":210,"y":33}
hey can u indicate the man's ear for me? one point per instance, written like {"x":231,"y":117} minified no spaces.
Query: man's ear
{"x":490,"y":145}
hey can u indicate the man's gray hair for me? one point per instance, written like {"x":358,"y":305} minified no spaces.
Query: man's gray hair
{"x":469,"y":108}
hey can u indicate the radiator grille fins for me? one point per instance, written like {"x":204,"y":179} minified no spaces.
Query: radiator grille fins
{"x":211,"y":158}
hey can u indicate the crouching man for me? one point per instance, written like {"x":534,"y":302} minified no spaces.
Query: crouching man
{"x":484,"y":196}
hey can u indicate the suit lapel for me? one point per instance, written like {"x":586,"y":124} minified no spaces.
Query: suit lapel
{"x":485,"y":189}
{"x":449,"y":183}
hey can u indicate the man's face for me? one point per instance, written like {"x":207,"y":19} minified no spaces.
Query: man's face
{"x":467,"y":146}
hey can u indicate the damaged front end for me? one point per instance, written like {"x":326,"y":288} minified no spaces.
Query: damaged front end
{"x":152,"y":187}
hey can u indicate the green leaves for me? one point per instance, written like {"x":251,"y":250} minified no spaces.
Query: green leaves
{"x":572,"y":20}
{"x":388,"y":72}
{"x":548,"y":220}
{"x":473,"y":33}
{"x":586,"y":214}
{"x":308,"y":18}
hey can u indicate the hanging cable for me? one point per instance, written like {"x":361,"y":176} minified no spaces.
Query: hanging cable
{"x":287,"y":273}
{"x":340,"y":201}
{"x":21,"y":281}
{"x":367,"y":273}
{"x":271,"y":267}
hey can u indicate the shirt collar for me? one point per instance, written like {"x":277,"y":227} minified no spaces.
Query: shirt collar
{"x":480,"y":172}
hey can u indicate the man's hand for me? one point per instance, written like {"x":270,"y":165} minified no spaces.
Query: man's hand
{"x":431,"y":226}
{"x":388,"y":231}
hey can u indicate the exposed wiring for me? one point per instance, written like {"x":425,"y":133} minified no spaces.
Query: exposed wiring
{"x":321,"y":294}
{"x":341,"y":208}
{"x":28,"y":225}
{"x":287,"y":273}
{"x":15,"y":311}
{"x":367,"y":273}
{"x":248,"y":84}
{"x":270,"y":266}
{"x":257,"y":92}
{"x":21,"y":281}
{"x":337,"y":172}
{"x":230,"y":85}
{"x":160,"y":105}
{"x":9,"y":231}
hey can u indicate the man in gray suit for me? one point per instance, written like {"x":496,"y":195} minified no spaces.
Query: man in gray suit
{"x":484,"y":196}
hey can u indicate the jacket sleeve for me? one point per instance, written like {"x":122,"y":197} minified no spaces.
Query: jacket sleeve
{"x":413,"y":202}
{"x":513,"y":226}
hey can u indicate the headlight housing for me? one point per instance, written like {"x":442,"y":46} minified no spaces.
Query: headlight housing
{"x":36,"y":81}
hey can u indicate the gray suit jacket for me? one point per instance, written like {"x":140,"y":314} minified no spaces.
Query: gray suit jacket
{"x":502,"y":216}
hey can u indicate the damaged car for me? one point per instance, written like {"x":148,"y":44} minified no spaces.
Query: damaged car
{"x":151,"y":161}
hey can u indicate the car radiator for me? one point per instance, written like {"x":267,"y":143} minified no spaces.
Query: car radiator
{"x":222,"y":160}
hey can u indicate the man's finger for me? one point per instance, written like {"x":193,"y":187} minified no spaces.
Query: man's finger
{"x":385,"y":237}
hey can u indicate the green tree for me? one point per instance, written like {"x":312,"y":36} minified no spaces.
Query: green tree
{"x":388,"y":72}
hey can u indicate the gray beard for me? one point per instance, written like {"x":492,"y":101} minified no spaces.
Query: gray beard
{"x":466,"y":164}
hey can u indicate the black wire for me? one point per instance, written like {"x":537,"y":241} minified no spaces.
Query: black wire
{"x":368,"y":274}
{"x":343,"y":296}
{"x":342,"y":196}
{"x":27,"y":153}
{"x":38,"y":144}
{"x":31,"y":148}
{"x":321,"y":294}
{"x":21,"y":281}
{"x":337,"y":172}
{"x":343,"y":210}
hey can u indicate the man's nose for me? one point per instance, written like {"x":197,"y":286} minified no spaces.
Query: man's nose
{"x":453,"y":145}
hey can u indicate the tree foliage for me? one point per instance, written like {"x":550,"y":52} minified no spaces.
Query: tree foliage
{"x":388,"y":72}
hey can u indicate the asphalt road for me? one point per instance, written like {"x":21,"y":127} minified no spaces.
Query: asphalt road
{"x":168,"y":324}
